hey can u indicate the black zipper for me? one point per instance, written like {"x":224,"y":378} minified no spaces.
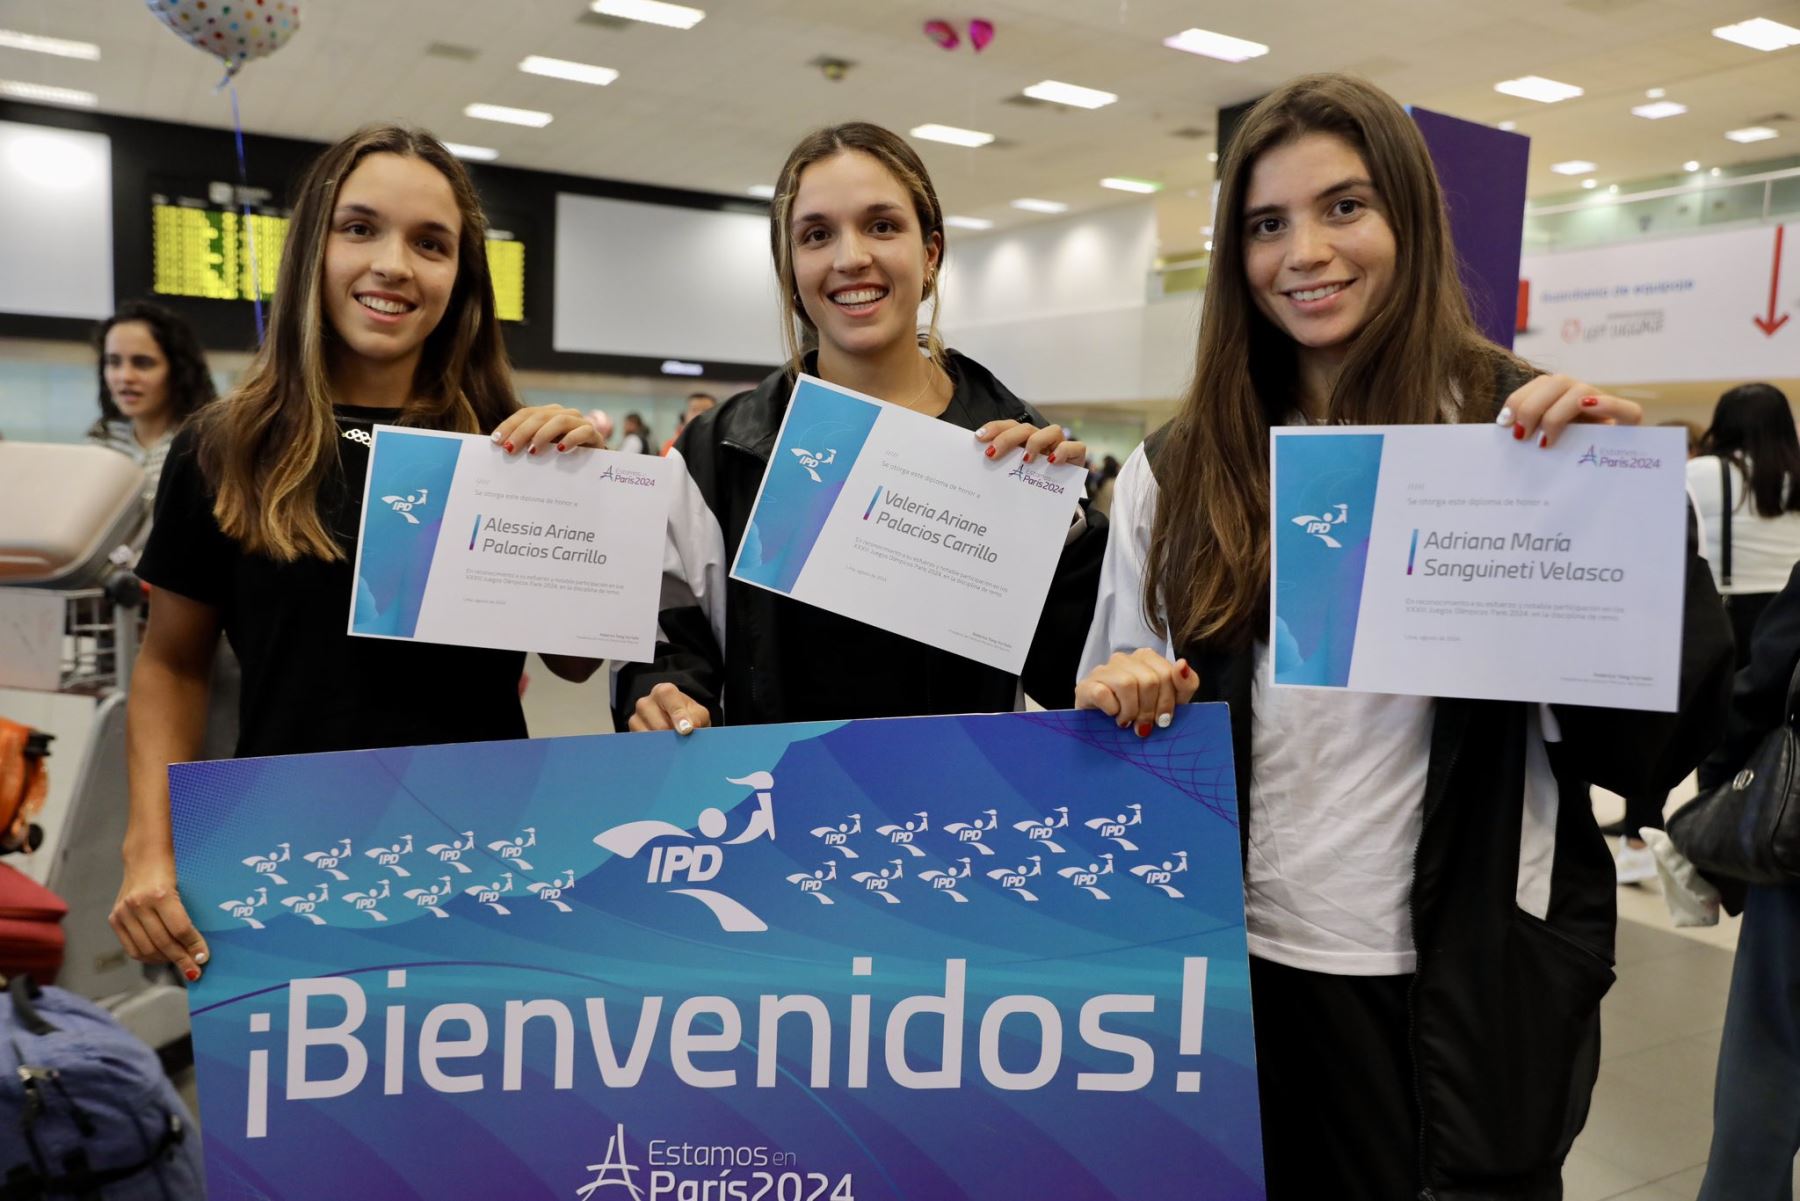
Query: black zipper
{"x":1412,"y":1018}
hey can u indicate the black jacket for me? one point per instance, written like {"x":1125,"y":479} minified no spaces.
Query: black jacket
{"x":1505,"y":1006}
{"x":753,"y":656}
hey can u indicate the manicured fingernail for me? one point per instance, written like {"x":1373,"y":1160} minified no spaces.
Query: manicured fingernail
{"x":1506,"y":417}
{"x":561,"y":447}
{"x":684,"y":726}
{"x":495,"y":435}
{"x":193,"y":974}
{"x":508,"y":446}
{"x":1588,"y":402}
{"x":1518,"y":431}
{"x":1028,"y":456}
{"x":981,"y":433}
{"x":1184,"y":671}
{"x":1165,"y":720}
{"x":201,"y":957}
{"x":1544,"y":441}
{"x":1143,"y":730}
{"x":532,"y":451}
{"x":990,"y":452}
{"x":1052,"y":458}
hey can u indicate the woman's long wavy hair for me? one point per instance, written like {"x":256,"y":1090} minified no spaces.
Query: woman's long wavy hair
{"x":904,"y":164}
{"x":190,"y":384}
{"x":269,"y":446}
{"x":1420,"y":358}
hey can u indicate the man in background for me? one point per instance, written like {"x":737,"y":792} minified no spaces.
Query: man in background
{"x":697,"y":403}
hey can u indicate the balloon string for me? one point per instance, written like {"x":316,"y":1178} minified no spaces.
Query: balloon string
{"x":244,"y":202}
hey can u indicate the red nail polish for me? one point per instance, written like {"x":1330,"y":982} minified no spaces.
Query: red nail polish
{"x":509,"y":448}
{"x":1028,"y":456}
{"x":1184,"y":671}
{"x":561,"y":447}
{"x":192,"y":975}
{"x":1544,"y":441}
{"x":1518,"y":431}
{"x":990,"y":452}
{"x":1052,"y":458}
{"x":1589,"y":402}
{"x":532,"y":451}
{"x":1143,"y":729}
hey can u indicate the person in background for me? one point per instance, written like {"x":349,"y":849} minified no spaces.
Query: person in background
{"x":602,"y":422}
{"x":1693,"y":431}
{"x":637,"y":436}
{"x":153,"y":377}
{"x":1430,"y":927}
{"x":697,"y":403}
{"x":1103,"y":485}
{"x":1756,"y":1093}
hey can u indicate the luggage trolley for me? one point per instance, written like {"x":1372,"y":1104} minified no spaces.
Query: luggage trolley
{"x":71,"y":521}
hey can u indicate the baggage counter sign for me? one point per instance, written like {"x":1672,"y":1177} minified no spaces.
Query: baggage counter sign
{"x":933,"y":958}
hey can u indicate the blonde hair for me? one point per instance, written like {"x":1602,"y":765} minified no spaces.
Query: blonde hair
{"x":903,"y":163}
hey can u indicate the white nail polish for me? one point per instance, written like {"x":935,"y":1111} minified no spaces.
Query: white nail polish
{"x":684,"y":726}
{"x":495,"y":437}
{"x":981,"y":433}
{"x":1505,"y":418}
{"x":200,"y":958}
{"x":1165,"y":720}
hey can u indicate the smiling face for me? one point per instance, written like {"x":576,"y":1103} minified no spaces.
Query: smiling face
{"x":860,"y":257}
{"x":136,"y":371}
{"x":1318,"y":250}
{"x":390,"y":257}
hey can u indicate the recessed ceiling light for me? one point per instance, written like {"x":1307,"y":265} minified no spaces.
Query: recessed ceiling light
{"x":1508,"y":126}
{"x":1612,"y":189}
{"x":1590,"y":183}
{"x":968,"y":223}
{"x":1070,"y":94}
{"x":1212,"y":156}
{"x":1760,"y":34}
{"x":1124,"y":184}
{"x":1216,"y":45}
{"x":1752,"y":133}
{"x":1659,"y":110}
{"x":952,"y":135}
{"x":61,"y":47}
{"x":1575,"y":166}
{"x":562,"y":68}
{"x":1655,"y":93}
{"x":478,"y":154}
{"x":1032,"y":205}
{"x":45,"y":94}
{"x":1536,"y":87}
{"x":1690,"y":165}
{"x":762,"y":191}
{"x":654,"y":12}
{"x":1208,"y":247}
{"x":1715,"y":172}
{"x":509,"y":116}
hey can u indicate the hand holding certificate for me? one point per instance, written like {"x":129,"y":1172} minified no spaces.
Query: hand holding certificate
{"x":1448,"y":561}
{"x":462,"y":545}
{"x":890,"y":517}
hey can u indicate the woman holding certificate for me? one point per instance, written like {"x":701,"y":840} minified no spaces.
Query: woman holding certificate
{"x":1430,"y":930}
{"x":383,"y":313}
{"x":858,"y":240}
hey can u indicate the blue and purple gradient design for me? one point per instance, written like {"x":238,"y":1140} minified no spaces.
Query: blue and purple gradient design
{"x":625,"y":939}
{"x":394,"y":560}
{"x":830,"y":428}
{"x":1317,"y":592}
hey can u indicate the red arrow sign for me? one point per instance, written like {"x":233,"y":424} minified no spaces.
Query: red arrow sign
{"x":1771,"y":323}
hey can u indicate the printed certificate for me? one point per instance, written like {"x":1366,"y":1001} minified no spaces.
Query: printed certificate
{"x":1453,"y":561}
{"x":895,"y":519}
{"x":464,"y":544}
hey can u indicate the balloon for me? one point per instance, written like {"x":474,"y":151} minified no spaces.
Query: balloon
{"x":980,"y":34}
{"x":943,"y":33}
{"x":233,"y":30}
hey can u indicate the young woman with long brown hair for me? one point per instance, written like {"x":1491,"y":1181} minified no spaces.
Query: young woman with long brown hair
{"x":857,"y":235}
{"x":383,"y":313}
{"x":1430,"y":926}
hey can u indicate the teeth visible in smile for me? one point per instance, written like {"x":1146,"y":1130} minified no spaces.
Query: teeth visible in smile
{"x":860,"y":296}
{"x":383,"y":305}
{"x":1318,"y":293}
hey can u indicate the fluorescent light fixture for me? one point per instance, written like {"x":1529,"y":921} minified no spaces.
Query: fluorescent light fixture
{"x":762,"y":191}
{"x":654,"y":12}
{"x":952,"y":135}
{"x":61,"y":47}
{"x":562,"y":68}
{"x":1691,"y":165}
{"x":1536,"y":87}
{"x":1659,"y":110}
{"x":677,"y":367}
{"x":1032,"y":205}
{"x":1123,"y":184}
{"x":45,"y":94}
{"x":1216,"y":45}
{"x":968,"y":223}
{"x":1760,"y":33}
{"x":1070,"y":94}
{"x":1575,"y":166}
{"x":1752,"y":133}
{"x":474,"y":154}
{"x":1655,"y":93}
{"x":1508,"y":126}
{"x":508,"y":116}
{"x":1590,"y":183}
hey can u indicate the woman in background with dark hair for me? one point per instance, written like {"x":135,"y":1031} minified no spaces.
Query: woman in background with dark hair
{"x":153,"y":376}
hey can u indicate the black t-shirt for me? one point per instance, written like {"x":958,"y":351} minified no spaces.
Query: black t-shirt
{"x":308,"y":685}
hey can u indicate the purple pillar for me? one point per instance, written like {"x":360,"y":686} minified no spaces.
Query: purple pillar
{"x":1482,"y":171}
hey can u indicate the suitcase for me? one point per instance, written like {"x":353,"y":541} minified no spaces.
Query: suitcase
{"x":86,"y":1113}
{"x":67,"y":509}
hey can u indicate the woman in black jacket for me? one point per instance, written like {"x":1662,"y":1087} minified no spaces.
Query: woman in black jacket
{"x":858,"y":239}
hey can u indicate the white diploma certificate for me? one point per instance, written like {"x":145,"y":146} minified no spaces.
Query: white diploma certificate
{"x":462,"y":543}
{"x":1456,"y":561}
{"x":896,"y":519}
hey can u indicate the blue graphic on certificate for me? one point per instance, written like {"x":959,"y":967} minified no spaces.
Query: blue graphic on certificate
{"x":463,"y":544}
{"x":893,"y":518}
{"x":1452,"y":561}
{"x":948,"y":958}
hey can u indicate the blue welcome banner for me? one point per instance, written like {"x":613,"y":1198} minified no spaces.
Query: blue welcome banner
{"x":936,"y":958}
